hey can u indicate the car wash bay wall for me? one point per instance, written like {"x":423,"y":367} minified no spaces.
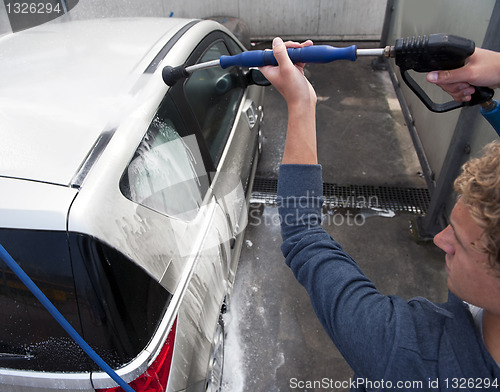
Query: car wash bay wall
{"x":317,"y":19}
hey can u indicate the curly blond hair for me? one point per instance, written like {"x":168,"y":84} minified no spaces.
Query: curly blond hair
{"x":479,"y":187}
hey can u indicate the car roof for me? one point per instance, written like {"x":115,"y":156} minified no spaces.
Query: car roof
{"x":64,"y":84}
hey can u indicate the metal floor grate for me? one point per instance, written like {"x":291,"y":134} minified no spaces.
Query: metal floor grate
{"x":413,"y":200}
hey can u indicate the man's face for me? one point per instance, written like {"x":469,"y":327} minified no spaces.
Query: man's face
{"x":469,"y":275}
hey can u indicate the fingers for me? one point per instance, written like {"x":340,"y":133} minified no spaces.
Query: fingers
{"x":444,"y":77}
{"x":462,"y":95}
{"x":460,"y":92}
{"x":293,"y":44}
{"x":280,"y":53}
{"x":452,"y":83}
{"x":432,"y":77}
{"x":279,"y":49}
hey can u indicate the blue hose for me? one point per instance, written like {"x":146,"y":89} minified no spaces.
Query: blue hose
{"x":492,"y":114}
{"x":7,"y":258}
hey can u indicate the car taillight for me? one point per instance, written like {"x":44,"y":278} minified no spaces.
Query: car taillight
{"x":155,"y":378}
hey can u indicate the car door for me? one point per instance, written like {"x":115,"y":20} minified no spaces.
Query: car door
{"x":227,"y":113}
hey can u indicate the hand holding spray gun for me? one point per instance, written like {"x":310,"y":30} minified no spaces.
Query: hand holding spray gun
{"x":482,"y":68}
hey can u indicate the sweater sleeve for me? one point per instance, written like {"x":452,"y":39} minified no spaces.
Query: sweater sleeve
{"x":361,"y":321}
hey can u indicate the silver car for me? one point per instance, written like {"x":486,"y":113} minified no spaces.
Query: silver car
{"x":123,"y":199}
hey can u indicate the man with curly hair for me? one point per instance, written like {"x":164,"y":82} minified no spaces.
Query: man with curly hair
{"x":392,"y":344}
{"x":472,"y":243}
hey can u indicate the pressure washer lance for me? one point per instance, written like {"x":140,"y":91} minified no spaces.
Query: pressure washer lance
{"x":260,"y":58}
{"x":421,"y":54}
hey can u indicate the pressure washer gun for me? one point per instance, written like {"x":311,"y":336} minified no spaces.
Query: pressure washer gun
{"x":435,"y":53}
{"x":421,"y":54}
{"x":441,"y":52}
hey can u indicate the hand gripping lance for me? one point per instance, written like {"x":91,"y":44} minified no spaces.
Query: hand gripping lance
{"x":421,"y":54}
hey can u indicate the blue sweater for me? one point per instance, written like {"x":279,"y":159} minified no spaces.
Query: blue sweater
{"x":390,"y":343}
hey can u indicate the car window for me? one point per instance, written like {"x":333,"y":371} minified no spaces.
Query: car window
{"x":214,"y":95}
{"x":167,"y":173}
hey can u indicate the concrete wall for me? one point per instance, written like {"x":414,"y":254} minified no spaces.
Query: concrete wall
{"x":328,"y":19}
{"x":316,"y":19}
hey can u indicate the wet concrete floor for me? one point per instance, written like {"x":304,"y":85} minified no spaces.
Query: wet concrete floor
{"x":275,"y":341}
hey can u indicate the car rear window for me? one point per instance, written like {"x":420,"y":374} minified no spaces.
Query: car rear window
{"x":111,"y":302}
{"x":29,"y":336}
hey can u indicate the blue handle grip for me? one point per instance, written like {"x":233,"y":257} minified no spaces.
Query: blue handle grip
{"x":308,"y":54}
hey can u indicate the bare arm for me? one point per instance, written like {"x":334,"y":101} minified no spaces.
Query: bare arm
{"x":289,"y":80}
